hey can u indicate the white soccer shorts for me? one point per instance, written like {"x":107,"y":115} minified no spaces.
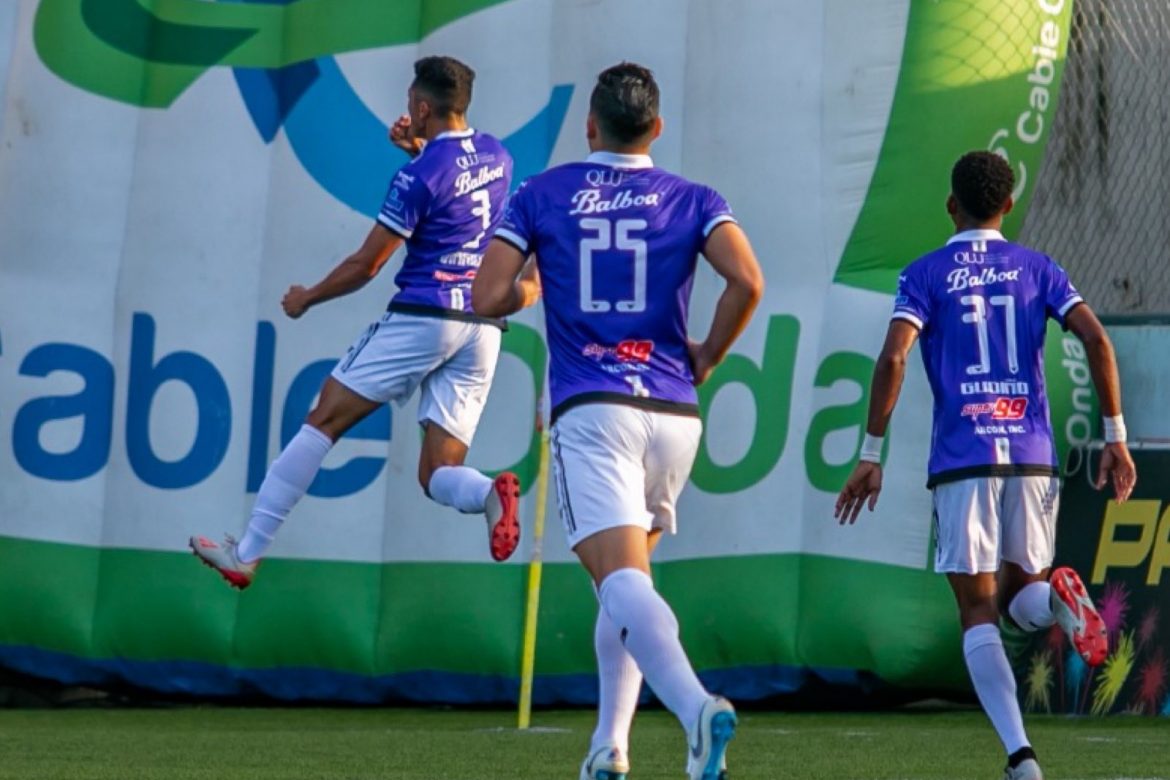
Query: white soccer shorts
{"x":616,"y":465}
{"x":451,"y":361}
{"x":984,"y":520}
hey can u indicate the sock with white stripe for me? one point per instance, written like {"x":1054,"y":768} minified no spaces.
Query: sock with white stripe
{"x":995,"y":684}
{"x":1031,"y":609}
{"x":619,"y":685}
{"x":650,"y":632}
{"x":461,"y":487}
{"x":284,"y":485}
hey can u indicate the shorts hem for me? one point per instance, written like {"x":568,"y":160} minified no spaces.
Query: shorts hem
{"x":425,"y":419}
{"x":1027,"y":567}
{"x":576,"y":539}
{"x":961,"y":570}
{"x":334,"y":375}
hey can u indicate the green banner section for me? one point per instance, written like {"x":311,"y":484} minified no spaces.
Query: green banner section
{"x":975,"y":75}
{"x":187,"y":233}
{"x":378,"y":619}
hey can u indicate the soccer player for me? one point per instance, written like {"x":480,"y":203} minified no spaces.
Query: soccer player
{"x":980,"y":305}
{"x":616,"y":242}
{"x":444,"y":205}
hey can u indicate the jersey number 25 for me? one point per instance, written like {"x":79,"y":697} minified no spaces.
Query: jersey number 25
{"x":606,"y":236}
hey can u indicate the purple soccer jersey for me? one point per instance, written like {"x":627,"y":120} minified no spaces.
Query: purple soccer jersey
{"x":982,"y":306}
{"x":446,"y":203}
{"x":616,"y":242}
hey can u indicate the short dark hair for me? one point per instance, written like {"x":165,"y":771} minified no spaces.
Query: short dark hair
{"x":982,"y":182}
{"x":446,"y":81}
{"x":625,"y":102}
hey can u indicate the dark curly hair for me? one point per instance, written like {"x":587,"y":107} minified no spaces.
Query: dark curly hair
{"x":446,"y":81}
{"x":625,"y":102}
{"x":982,"y":182}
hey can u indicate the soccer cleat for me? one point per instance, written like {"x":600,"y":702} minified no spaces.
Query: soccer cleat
{"x":223,"y":558}
{"x":502,"y":509}
{"x":708,"y":744}
{"x":1074,"y":611}
{"x":605,"y":763}
{"x":1028,"y":769}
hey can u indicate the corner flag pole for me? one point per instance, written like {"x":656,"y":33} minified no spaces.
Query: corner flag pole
{"x":528,"y":652}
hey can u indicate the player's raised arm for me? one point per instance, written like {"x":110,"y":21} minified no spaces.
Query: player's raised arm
{"x":505,"y":283}
{"x":351,"y":274}
{"x":1116,"y":463}
{"x":730,"y":254}
{"x":865,"y":483}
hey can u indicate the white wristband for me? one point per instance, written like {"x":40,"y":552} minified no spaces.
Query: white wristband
{"x":871,"y":448}
{"x":1114,"y":429}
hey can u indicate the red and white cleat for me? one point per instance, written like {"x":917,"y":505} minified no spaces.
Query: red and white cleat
{"x":502,"y":512}
{"x":1075,"y":613}
{"x":224,"y":559}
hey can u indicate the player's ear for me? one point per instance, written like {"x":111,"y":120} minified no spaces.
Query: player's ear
{"x":657,"y":129}
{"x":591,"y":132}
{"x":1007,"y":207}
{"x":952,"y":205}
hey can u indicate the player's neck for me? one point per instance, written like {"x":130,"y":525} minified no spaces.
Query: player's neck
{"x":626,"y":149}
{"x":451,"y":124}
{"x":964,"y":225}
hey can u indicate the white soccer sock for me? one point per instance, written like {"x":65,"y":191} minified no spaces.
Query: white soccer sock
{"x":287,"y":479}
{"x":651,"y":637}
{"x":995,"y":684}
{"x":1031,"y":609}
{"x":461,"y":487}
{"x":620,"y":683}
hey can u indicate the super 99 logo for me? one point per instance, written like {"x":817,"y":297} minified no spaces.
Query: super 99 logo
{"x":1002,"y":408}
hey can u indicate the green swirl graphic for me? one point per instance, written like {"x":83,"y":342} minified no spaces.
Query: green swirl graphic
{"x":147,"y":53}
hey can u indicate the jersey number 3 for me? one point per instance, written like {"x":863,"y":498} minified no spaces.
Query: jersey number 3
{"x":483,"y":210}
{"x":608,"y":236}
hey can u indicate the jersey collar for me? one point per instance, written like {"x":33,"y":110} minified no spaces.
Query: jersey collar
{"x":976,"y":235}
{"x":615,"y":160}
{"x":455,"y":134}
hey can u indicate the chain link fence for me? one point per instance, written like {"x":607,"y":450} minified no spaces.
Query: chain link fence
{"x":1102,"y":201}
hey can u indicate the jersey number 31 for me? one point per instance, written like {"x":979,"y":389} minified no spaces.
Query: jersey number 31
{"x":978,"y":316}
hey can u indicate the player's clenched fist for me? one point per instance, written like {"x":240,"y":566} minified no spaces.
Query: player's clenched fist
{"x":402,"y":136}
{"x":295,"y":301}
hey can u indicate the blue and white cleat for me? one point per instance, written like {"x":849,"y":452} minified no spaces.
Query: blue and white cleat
{"x":708,"y":745}
{"x":605,"y":763}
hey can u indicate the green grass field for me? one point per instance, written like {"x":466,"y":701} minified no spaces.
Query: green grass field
{"x":319,"y":744}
